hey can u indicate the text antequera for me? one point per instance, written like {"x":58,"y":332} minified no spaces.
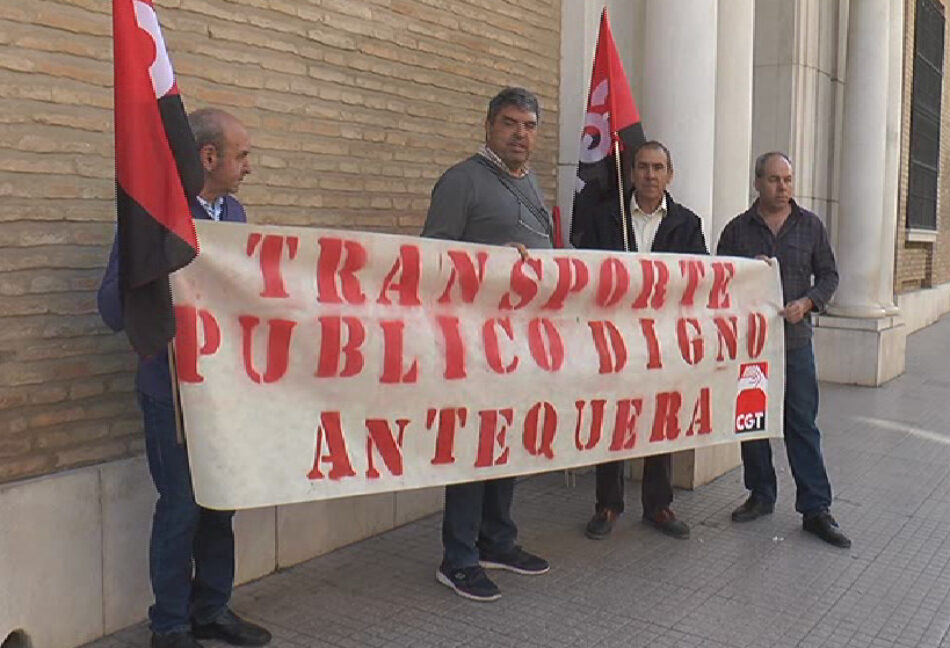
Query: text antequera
{"x":316,"y":364}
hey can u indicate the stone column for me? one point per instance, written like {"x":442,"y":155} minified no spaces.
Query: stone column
{"x":733,"y":168}
{"x":892,"y":157}
{"x":861,"y":341}
{"x":863,"y":162}
{"x":678,"y":98}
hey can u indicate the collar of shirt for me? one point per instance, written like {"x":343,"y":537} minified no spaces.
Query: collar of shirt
{"x":660,"y":210}
{"x":492,"y":157}
{"x":213,"y":209}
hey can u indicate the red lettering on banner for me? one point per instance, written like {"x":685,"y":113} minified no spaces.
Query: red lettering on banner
{"x":408,"y":266}
{"x":691,"y":346}
{"x":332,"y":347}
{"x":625,"y":425}
{"x":572,"y":277}
{"x":548,"y":356}
{"x":693,"y":270}
{"x":389,"y":447}
{"x":666,"y":424}
{"x":540,"y":442}
{"x":464,"y":274}
{"x":331,"y":431}
{"x":613,"y":355}
{"x":278,"y":347}
{"x":492,"y":434}
{"x":656,"y":277}
{"x":454,"y":347}
{"x":701,"y":421}
{"x":332,"y":265}
{"x":450,"y":418}
{"x":492,"y":348}
{"x":723,"y":272}
{"x":596,"y":424}
{"x":187,"y":350}
{"x":613,"y":282}
{"x":727,"y":331}
{"x":522,"y":285}
{"x":648,"y":326}
{"x":758,"y":334}
{"x":393,"y":355}
{"x":272,"y":253}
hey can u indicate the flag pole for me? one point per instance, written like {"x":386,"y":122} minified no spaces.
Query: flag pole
{"x":176,"y":395}
{"x":623,"y":207}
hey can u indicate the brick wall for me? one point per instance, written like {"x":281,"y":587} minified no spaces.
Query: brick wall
{"x":354,"y":108}
{"x":923,"y":264}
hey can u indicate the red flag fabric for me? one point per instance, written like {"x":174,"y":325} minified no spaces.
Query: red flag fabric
{"x":157,"y":168}
{"x":612,"y":116}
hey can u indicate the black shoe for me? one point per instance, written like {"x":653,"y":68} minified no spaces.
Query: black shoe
{"x":665,"y":521}
{"x":825,"y":527}
{"x":232,"y":629}
{"x":468,"y":582}
{"x":518,"y":561}
{"x":174,"y":640}
{"x":601,"y":524}
{"x":752,"y":509}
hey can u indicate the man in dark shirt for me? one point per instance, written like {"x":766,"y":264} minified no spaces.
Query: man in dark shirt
{"x":775,"y":226}
{"x":492,"y":197}
{"x":191,"y":550}
{"x":655,"y":223}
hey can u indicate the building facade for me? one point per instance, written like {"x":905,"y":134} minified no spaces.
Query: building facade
{"x":355,"y":108}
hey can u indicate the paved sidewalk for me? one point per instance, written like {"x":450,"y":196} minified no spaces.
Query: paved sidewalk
{"x":760,"y":584}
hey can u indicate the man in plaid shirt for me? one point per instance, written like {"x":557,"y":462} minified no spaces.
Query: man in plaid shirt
{"x":775,"y":226}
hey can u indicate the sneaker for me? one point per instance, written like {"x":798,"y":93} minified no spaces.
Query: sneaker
{"x":468,"y":582}
{"x":517,"y":560}
{"x":601,"y":524}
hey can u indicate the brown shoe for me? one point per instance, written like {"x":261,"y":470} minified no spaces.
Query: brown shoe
{"x":601,"y":524}
{"x":665,"y":521}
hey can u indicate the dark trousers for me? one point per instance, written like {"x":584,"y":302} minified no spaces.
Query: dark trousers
{"x":191,"y":553}
{"x":477,"y":519}
{"x":656,"y":491}
{"x":802,"y":441}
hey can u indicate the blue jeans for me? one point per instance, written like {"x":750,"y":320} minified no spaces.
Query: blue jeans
{"x":477,"y":518}
{"x":802,"y":441}
{"x":191,"y":553}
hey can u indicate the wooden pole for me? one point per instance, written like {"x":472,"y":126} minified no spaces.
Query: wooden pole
{"x":623,"y":207}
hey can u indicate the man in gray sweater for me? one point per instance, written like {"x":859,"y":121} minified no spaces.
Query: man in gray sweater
{"x":491,"y":197}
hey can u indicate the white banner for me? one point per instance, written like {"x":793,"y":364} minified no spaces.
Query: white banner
{"x":316,"y":364}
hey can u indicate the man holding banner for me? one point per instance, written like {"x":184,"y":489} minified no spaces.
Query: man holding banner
{"x":493,"y":198}
{"x":775,"y":226}
{"x":655,"y":224}
{"x":191,"y":551}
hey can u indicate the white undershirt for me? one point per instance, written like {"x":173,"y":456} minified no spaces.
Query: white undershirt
{"x":645,"y":225}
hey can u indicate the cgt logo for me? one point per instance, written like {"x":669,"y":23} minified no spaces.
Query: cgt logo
{"x":752,"y":401}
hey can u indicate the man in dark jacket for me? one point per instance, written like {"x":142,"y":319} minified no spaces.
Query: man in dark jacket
{"x":654,"y":223}
{"x":191,"y":551}
{"x":775,"y":226}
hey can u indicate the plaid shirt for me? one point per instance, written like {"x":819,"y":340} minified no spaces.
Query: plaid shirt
{"x":803,"y":252}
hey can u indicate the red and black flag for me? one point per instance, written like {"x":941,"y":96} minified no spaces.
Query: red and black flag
{"x":156,"y":167}
{"x":612,"y":122}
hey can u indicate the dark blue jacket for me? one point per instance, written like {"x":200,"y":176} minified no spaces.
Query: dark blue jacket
{"x":153,"y":377}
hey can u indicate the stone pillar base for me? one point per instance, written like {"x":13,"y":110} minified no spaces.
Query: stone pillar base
{"x":693,"y":468}
{"x":858,"y":351}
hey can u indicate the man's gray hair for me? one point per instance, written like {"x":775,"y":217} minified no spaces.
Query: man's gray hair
{"x":207,"y":125}
{"x":519,"y":97}
{"x":656,"y":145}
{"x":763,"y":159}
